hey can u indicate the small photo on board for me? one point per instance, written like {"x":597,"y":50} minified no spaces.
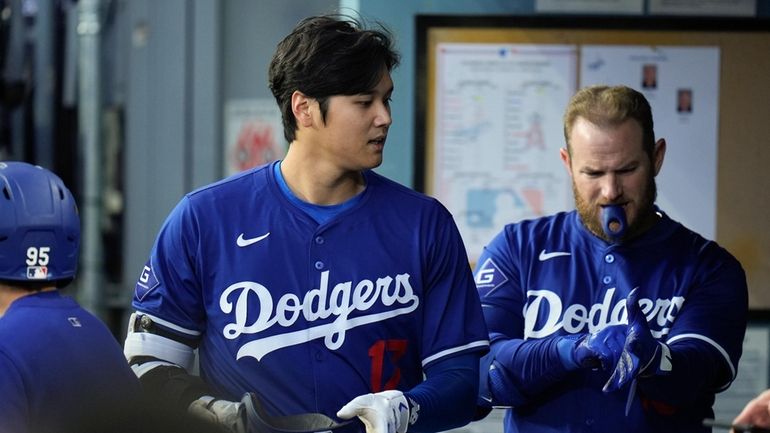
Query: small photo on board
{"x":684,"y":100}
{"x":649,"y":76}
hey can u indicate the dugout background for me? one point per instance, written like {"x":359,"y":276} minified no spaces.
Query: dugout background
{"x":743,"y":171}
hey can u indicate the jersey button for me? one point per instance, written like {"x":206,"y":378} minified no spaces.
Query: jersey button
{"x":319,"y":265}
{"x":609,"y":258}
{"x":607,"y":279}
{"x":589,"y":421}
{"x":319,"y":240}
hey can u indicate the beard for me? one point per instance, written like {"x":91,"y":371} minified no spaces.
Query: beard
{"x":637,"y":222}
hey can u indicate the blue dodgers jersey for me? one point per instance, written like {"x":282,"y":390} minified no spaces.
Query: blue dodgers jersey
{"x":310,"y":316}
{"x":550,"y":276}
{"x":61,"y":369}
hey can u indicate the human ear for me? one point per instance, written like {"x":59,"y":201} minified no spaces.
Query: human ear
{"x":658,"y":153}
{"x":565,"y":159}
{"x":300,"y":106}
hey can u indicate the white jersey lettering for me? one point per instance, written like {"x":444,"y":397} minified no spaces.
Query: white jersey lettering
{"x":317,"y":304}
{"x":544,"y":314}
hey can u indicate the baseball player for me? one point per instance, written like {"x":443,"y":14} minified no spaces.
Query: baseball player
{"x":313,"y":284}
{"x":61,"y":370}
{"x":611,"y":317}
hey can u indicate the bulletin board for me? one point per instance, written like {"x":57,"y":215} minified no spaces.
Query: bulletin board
{"x":743,"y":130}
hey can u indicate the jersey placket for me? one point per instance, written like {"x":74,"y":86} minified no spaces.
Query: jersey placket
{"x":318,"y":352}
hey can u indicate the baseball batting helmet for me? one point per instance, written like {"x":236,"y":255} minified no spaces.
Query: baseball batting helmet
{"x":39,"y":225}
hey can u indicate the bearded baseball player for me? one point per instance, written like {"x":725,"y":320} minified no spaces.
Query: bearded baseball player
{"x":61,"y":370}
{"x":612,"y":317}
{"x":312,"y":287}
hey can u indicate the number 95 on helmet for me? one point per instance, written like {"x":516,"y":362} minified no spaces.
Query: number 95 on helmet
{"x":39,"y":225}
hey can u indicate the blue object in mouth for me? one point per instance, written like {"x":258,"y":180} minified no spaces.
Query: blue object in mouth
{"x":614,"y":222}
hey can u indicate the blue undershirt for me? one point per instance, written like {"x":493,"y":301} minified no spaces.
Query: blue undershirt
{"x":319,"y":213}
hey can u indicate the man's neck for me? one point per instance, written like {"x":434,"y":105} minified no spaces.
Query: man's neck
{"x":9,"y":294}
{"x":318,"y":182}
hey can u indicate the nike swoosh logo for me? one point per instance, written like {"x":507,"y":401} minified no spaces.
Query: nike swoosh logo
{"x":545,"y":256}
{"x":242,"y":242}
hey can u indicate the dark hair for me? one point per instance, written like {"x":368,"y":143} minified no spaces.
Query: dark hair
{"x":325,"y":56}
{"x":611,"y":105}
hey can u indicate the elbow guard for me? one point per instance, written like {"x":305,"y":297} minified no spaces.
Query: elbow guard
{"x":161,"y":341}
{"x":162,"y":355}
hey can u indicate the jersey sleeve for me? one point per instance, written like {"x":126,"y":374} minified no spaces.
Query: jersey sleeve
{"x":453,"y":322}
{"x":715,"y":312}
{"x":497,"y":282}
{"x":523,"y":368}
{"x":707,"y":337}
{"x":168,"y":288}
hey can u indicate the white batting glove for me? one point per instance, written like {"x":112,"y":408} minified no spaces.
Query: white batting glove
{"x":220,"y":412}
{"x":383,"y":412}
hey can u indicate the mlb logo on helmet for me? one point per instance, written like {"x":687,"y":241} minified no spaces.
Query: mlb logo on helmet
{"x":37,"y":272}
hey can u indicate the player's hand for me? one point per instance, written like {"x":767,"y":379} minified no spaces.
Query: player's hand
{"x":383,"y":412}
{"x":642,"y":355}
{"x":600,"y":350}
{"x":224,"y":413}
{"x":756,"y":412}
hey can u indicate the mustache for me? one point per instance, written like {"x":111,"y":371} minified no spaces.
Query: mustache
{"x":590,"y":213}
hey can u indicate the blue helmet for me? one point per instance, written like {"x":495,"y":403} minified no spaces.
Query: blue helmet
{"x":39,"y":225}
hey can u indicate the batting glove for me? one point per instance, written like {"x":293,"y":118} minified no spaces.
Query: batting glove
{"x":642,"y":355}
{"x":228,"y":414}
{"x":383,"y":412}
{"x":599,"y":350}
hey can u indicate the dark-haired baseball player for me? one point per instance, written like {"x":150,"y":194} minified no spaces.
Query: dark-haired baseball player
{"x":313,"y":283}
{"x":61,"y":369}
{"x":611,"y":317}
